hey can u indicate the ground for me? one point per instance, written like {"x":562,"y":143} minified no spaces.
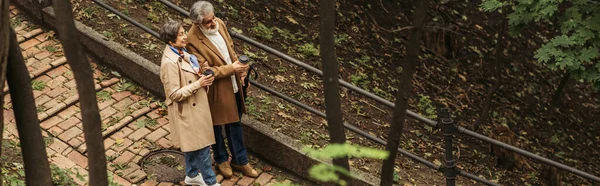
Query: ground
{"x":454,"y":71}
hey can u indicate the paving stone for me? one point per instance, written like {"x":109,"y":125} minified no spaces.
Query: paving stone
{"x":264,"y":178}
{"x":58,"y":146}
{"x":108,"y":143}
{"x":69,"y":112}
{"x":165,"y":184}
{"x":47,"y":124}
{"x":84,"y":173}
{"x":29,"y":43}
{"x":136,"y":176}
{"x":71,"y":84}
{"x":75,"y":142}
{"x":71,"y":133}
{"x":139,"y":134}
{"x":102,"y":105}
{"x":231,"y":181}
{"x":62,"y":162}
{"x":56,"y":108}
{"x":71,"y":122}
{"x":164,"y":143}
{"x":57,"y":71}
{"x":78,"y":159}
{"x":110,"y":152}
{"x":136,"y":97}
{"x":136,"y":159}
{"x":57,"y":81}
{"x":108,"y":111}
{"x":109,"y":82}
{"x":219,"y":176}
{"x":140,"y":111}
{"x":245,"y":181}
{"x":42,"y":37}
{"x":131,"y":167}
{"x":42,"y":55}
{"x":149,"y":183}
{"x":33,"y":33}
{"x":119,"y":180}
{"x":50,"y":104}
{"x":30,"y":52}
{"x":120,"y":95}
{"x":56,"y":92}
{"x":162,"y":121}
{"x":122,"y":133}
{"x":45,"y":43}
{"x":42,"y":99}
{"x":123,"y":104}
{"x":154,"y":114}
{"x":55,"y":130}
{"x":59,"y":61}
{"x":157,"y":134}
{"x":123,"y":145}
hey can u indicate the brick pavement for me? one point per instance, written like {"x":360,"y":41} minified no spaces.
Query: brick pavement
{"x":132,"y":123}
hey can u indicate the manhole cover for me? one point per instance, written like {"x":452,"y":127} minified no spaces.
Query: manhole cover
{"x":165,"y":166}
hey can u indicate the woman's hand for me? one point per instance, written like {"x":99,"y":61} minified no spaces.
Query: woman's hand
{"x":206,"y":80}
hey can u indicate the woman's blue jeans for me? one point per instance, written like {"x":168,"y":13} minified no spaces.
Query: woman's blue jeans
{"x":200,"y":160}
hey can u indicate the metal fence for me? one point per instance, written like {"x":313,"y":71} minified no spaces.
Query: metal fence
{"x":447,"y":125}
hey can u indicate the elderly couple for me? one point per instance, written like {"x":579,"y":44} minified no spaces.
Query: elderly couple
{"x":200,"y":106}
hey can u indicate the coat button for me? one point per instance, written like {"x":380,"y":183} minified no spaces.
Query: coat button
{"x":194,"y":104}
{"x":190,"y":81}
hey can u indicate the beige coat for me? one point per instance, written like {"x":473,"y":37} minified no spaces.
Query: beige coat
{"x":220,"y":95}
{"x":189,"y":114}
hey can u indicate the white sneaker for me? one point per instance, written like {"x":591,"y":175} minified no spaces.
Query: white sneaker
{"x":216,"y":184}
{"x":198,"y":180}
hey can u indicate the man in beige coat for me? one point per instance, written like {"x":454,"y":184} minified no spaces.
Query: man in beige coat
{"x":186,"y":98}
{"x":209,"y":39}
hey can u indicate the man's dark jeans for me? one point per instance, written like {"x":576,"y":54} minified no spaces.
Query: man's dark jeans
{"x":235,"y":140}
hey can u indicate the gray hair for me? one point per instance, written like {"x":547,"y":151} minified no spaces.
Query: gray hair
{"x":199,"y":10}
{"x":169,"y":31}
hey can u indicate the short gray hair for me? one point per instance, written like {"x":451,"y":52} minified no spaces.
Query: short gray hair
{"x":169,"y":31}
{"x":199,"y":10}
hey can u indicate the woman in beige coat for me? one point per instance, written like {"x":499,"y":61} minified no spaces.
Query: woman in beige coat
{"x":189,"y":113}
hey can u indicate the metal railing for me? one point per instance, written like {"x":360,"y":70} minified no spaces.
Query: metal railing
{"x":448,"y":126}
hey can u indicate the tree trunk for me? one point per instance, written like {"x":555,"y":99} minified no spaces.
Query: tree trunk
{"x":4,"y":43}
{"x":85,"y":88}
{"x":559,"y":90}
{"x":37,"y":171}
{"x":330,"y":79}
{"x":498,"y":52}
{"x":404,"y":92}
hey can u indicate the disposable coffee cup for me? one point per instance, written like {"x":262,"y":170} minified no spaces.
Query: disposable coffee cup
{"x":243,"y":59}
{"x":208,"y":72}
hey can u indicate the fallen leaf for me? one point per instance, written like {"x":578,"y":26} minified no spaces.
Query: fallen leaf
{"x":291,"y":20}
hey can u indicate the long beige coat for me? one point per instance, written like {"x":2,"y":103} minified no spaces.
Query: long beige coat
{"x":221,"y":97}
{"x":189,"y":113}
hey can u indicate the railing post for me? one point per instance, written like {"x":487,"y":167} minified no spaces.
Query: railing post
{"x":448,"y":129}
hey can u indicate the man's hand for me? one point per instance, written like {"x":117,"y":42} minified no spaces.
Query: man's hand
{"x":239,"y":67}
{"x":206,"y":80}
{"x":205,"y":66}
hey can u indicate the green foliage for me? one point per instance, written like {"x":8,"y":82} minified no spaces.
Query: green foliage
{"x":153,"y":17}
{"x":426,"y":108}
{"x":125,"y":86}
{"x":576,"y":49}
{"x":103,"y":95}
{"x":360,"y":79}
{"x":38,"y":85}
{"x":308,"y":50}
{"x":108,"y":34}
{"x":329,"y":173}
{"x":50,"y":48}
{"x":63,"y":176}
{"x":146,"y":122}
{"x":15,"y":22}
{"x":262,"y":31}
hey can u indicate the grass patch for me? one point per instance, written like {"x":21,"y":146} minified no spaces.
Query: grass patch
{"x":38,"y":85}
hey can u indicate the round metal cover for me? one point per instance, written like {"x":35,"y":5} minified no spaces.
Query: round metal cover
{"x":164,"y":166}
